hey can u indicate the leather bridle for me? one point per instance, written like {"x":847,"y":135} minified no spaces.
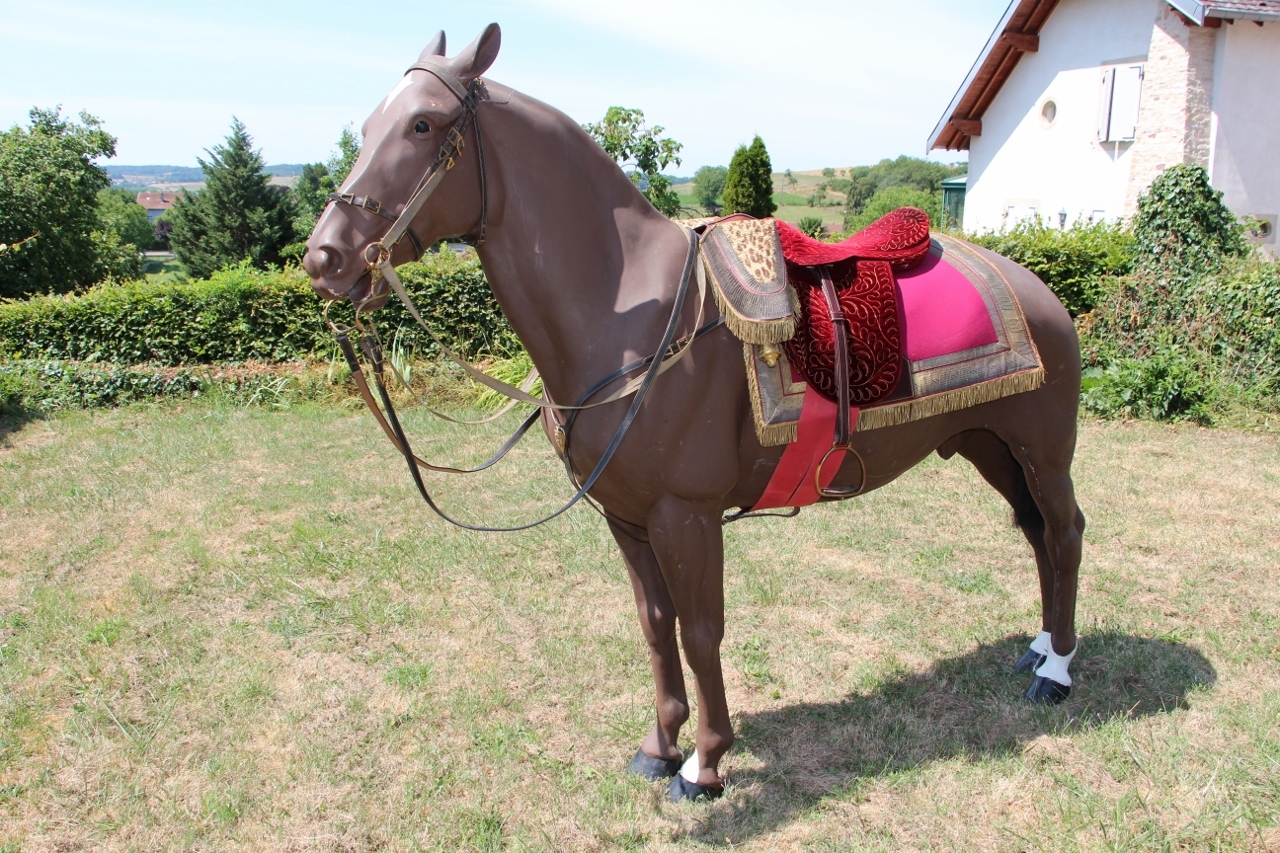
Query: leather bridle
{"x":401,"y":225}
{"x":377,"y":256}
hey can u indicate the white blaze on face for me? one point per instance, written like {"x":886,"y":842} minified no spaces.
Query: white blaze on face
{"x":405,"y":82}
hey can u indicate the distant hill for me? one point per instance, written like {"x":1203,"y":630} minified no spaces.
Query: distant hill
{"x":142,"y":177}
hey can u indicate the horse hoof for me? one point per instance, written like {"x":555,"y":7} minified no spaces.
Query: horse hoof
{"x":653,"y":769}
{"x":684,"y":791}
{"x":1046,"y":691}
{"x":1029,"y":662}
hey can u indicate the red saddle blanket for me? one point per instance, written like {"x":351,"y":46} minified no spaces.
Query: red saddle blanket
{"x":862,"y":269}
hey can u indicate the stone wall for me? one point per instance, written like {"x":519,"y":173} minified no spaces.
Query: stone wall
{"x":1176,"y":115}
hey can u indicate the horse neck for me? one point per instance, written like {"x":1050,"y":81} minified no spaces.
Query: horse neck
{"x":583,"y":266}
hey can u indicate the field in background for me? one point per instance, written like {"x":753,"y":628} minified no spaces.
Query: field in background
{"x":793,"y":199}
{"x":237,"y":629}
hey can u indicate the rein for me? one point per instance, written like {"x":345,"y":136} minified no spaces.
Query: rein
{"x":377,"y":257}
{"x":656,"y":365}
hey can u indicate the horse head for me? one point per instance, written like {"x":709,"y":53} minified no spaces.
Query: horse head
{"x":408,"y":134}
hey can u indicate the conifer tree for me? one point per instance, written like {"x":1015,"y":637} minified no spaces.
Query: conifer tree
{"x":237,"y":216}
{"x":749,"y":187}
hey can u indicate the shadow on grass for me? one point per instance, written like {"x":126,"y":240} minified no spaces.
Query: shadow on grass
{"x":13,"y":419}
{"x":969,"y":706}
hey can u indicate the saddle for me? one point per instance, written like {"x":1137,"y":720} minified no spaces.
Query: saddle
{"x":850,"y":286}
{"x":833,"y":306}
{"x":769,"y":279}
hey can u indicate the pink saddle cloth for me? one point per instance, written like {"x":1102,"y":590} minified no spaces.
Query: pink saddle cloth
{"x":964,"y":341}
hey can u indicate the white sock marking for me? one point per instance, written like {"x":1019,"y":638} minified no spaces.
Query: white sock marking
{"x":1055,"y":666}
{"x":1043,"y":644}
{"x":691,"y":767}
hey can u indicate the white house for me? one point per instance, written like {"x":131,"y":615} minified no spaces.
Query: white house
{"x":1075,"y":106}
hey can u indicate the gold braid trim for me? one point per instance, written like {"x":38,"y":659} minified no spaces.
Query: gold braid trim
{"x":896,"y":414}
{"x":769,"y":435}
{"x":751,"y":331}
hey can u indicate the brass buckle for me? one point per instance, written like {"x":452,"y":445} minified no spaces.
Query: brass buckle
{"x":372,"y":205}
{"x":454,"y":138}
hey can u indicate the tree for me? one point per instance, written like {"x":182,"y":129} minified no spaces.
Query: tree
{"x":708,"y":184}
{"x":49,"y":185}
{"x":237,"y":216}
{"x":749,"y":186}
{"x":119,"y":210}
{"x":641,"y":152}
{"x":340,"y":164}
{"x":317,"y":181}
{"x":891,"y":199}
{"x":912,"y":172}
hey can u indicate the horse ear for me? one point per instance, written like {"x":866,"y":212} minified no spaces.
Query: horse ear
{"x":434,"y":48}
{"x":476,"y":58}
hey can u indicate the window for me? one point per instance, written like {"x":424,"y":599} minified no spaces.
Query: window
{"x":1048,"y":113}
{"x":1121,"y":96}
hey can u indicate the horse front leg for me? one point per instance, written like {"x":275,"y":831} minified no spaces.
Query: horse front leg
{"x":688,"y":541}
{"x":658,"y":756}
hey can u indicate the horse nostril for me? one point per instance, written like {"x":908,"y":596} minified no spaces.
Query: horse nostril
{"x":319,"y":262}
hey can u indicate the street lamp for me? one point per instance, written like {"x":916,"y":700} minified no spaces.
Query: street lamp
{"x":1062,"y":218}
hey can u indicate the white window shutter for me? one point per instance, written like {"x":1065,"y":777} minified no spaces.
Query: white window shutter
{"x":1104,"y":104}
{"x":1125,"y":99}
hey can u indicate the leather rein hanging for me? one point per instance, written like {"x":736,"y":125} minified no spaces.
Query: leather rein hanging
{"x":381,"y":270}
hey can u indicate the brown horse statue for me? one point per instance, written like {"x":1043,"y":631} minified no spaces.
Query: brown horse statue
{"x":587,"y":272}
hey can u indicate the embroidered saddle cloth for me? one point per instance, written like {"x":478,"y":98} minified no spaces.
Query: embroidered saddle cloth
{"x":964,"y":341}
{"x":932,"y":326}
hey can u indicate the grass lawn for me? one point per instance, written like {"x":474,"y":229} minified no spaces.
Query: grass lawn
{"x":237,"y":629}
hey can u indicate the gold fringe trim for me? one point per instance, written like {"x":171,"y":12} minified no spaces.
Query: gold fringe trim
{"x":907,"y":411}
{"x":769,"y":435}
{"x":751,"y":331}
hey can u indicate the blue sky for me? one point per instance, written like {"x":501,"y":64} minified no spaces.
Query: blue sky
{"x":825,"y":83}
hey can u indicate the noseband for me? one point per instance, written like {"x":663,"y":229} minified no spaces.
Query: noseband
{"x":401,"y":226}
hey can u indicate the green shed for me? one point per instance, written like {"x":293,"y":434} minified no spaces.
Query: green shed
{"x":953,"y":190}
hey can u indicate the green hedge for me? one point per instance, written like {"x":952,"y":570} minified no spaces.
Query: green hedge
{"x":244,"y":314}
{"x":45,"y":386}
{"x":1074,"y":262}
{"x":1186,"y":347}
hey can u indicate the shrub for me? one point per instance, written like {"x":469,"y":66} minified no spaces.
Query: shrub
{"x":242,"y":314}
{"x":812,"y":225}
{"x":1074,"y":262}
{"x":1222,"y":325}
{"x":1182,"y":227}
{"x":1167,"y":385}
{"x":891,"y":199}
{"x":44,"y":386}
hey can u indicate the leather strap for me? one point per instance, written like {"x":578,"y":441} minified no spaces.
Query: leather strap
{"x":385,"y":271}
{"x":401,"y":441}
{"x":373,"y":351}
{"x":374,"y":206}
{"x":843,"y":441}
{"x":840,"y":334}
{"x":446,"y":76}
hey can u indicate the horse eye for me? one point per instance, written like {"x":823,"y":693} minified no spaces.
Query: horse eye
{"x":421,"y":127}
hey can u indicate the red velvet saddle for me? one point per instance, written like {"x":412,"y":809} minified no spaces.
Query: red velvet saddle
{"x":861,"y":268}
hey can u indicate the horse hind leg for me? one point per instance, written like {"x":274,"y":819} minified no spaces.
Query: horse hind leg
{"x":1045,"y":509}
{"x":658,"y":756}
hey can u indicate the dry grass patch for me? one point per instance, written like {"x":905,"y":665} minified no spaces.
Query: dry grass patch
{"x":235,"y":629}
